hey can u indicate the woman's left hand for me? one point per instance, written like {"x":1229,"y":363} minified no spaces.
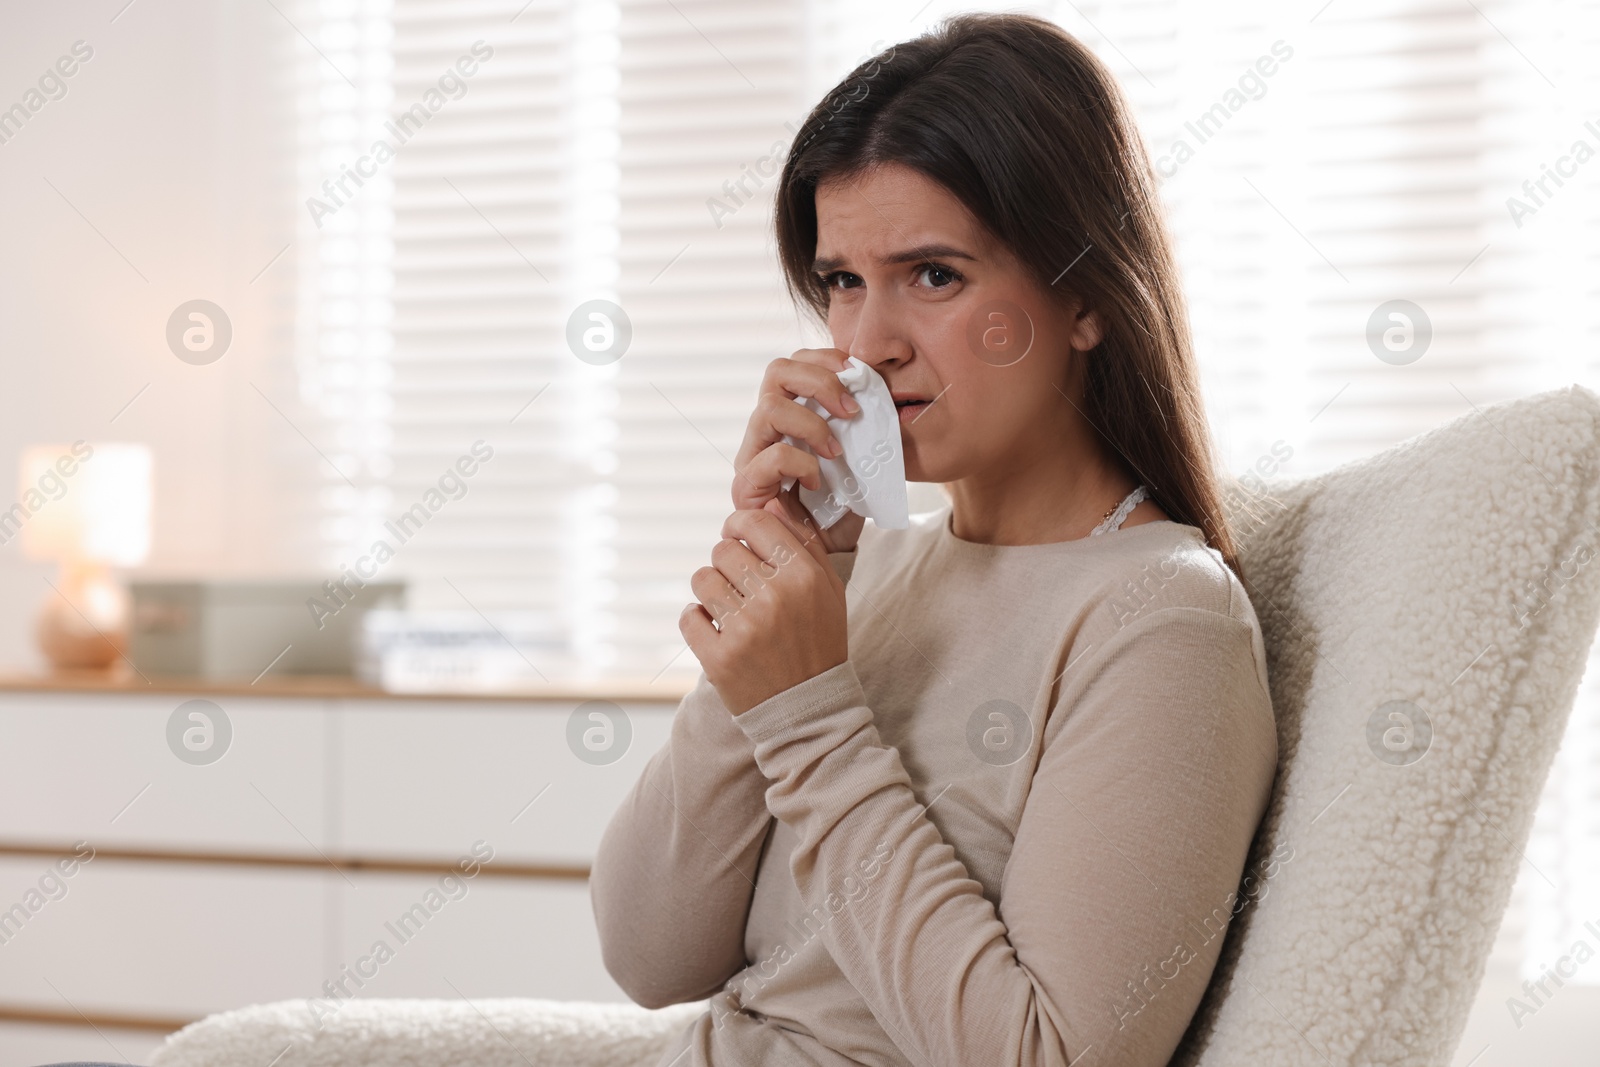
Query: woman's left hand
{"x":779,"y":609}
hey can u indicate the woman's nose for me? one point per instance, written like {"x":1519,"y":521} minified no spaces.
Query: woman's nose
{"x":879,"y":336}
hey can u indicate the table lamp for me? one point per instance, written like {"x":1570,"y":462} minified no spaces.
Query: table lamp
{"x":87,"y":508}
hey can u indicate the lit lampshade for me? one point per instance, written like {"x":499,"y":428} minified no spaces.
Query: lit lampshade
{"x":86,"y":507}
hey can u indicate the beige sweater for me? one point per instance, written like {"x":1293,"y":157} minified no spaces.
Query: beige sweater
{"x":1009,"y":829}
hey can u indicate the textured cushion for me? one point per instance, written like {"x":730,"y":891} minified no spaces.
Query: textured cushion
{"x":1453,"y":572}
{"x":430,"y":1033}
{"x":1450,"y":574}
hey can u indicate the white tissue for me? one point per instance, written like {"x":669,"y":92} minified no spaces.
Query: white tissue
{"x":869,"y":476}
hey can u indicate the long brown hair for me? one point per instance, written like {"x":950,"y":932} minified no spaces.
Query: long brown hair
{"x":1029,"y":130}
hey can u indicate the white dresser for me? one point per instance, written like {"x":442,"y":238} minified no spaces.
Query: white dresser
{"x":335,"y":821}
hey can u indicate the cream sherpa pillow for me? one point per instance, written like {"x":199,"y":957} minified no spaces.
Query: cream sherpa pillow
{"x":430,"y":1033}
{"x":1427,"y":614}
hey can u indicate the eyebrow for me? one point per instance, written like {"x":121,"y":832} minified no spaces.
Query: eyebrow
{"x":823,"y":265}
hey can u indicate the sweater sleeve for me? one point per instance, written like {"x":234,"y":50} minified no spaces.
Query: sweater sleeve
{"x":672,"y":879}
{"x":1156,"y":767}
{"x":675,"y":871}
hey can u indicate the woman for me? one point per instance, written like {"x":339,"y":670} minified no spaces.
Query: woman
{"x":992,"y":808}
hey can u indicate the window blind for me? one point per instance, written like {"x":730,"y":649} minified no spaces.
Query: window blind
{"x":601,"y":151}
{"x":709,"y":93}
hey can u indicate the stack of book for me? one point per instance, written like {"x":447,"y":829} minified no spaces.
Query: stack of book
{"x":458,"y":651}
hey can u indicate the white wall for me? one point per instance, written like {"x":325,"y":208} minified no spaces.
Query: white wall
{"x":174,"y":141}
{"x":1562,"y":1032}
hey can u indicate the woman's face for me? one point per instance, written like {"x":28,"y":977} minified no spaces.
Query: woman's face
{"x":919,"y":290}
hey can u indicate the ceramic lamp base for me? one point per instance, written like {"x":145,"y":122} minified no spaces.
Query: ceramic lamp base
{"x":83,"y":623}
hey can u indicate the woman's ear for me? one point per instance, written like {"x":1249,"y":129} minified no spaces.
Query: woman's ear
{"x":1086,"y":330}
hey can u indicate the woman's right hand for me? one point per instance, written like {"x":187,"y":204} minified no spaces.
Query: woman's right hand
{"x":765,"y":460}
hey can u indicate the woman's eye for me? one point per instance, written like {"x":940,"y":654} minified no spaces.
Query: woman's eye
{"x":938,"y":277}
{"x":839,"y":279}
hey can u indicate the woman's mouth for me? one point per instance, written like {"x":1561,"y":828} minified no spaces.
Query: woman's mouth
{"x":911,"y":408}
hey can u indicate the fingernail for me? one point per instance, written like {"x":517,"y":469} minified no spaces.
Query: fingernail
{"x":835,"y":449}
{"x":850,"y":404}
